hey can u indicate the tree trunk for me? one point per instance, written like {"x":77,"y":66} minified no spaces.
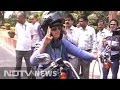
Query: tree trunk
{"x":2,"y":16}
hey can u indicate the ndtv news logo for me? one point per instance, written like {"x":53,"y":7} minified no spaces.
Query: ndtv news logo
{"x":14,"y":73}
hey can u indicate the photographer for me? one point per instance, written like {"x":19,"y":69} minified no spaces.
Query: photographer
{"x":113,"y":41}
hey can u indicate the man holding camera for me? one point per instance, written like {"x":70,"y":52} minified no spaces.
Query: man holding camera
{"x":113,"y":41}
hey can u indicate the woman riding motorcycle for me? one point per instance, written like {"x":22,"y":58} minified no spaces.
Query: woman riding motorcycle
{"x":53,"y":43}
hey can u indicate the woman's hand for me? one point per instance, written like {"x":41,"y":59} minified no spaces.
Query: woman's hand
{"x":48,"y":38}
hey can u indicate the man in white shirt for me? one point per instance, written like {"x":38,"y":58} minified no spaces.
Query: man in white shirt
{"x":87,"y":41}
{"x":35,"y":23}
{"x":70,"y":33}
{"x":102,"y":33}
{"x":24,"y":32}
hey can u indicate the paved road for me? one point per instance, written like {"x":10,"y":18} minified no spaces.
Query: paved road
{"x":7,"y":56}
{"x":7,"y":59}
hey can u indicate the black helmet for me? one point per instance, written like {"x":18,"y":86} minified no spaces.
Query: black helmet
{"x":51,"y":18}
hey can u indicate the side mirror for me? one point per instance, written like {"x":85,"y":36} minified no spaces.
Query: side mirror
{"x":43,"y":58}
{"x":59,"y":61}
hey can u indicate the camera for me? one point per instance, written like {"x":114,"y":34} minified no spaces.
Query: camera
{"x":116,"y":32}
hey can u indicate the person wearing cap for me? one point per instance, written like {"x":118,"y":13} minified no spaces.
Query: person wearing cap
{"x":55,"y":45}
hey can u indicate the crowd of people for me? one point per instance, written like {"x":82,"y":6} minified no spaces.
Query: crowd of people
{"x":57,"y":36}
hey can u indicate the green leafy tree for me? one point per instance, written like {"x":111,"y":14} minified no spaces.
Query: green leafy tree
{"x":102,"y":15}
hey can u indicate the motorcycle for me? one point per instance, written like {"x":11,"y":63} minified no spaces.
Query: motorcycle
{"x":58,"y":69}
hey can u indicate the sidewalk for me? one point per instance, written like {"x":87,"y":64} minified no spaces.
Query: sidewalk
{"x":6,"y":40}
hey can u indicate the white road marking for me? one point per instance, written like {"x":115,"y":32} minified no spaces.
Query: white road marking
{"x":7,"y":50}
{"x":12,"y":53}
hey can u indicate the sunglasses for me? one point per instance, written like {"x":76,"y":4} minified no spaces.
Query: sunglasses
{"x":55,"y":28}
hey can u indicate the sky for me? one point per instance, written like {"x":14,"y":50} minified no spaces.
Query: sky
{"x":7,"y":13}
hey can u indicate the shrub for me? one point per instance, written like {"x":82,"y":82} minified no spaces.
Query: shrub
{"x":3,"y":27}
{"x":7,"y":24}
{"x":11,"y":34}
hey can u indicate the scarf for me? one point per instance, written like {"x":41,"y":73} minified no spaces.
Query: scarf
{"x":56,"y":50}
